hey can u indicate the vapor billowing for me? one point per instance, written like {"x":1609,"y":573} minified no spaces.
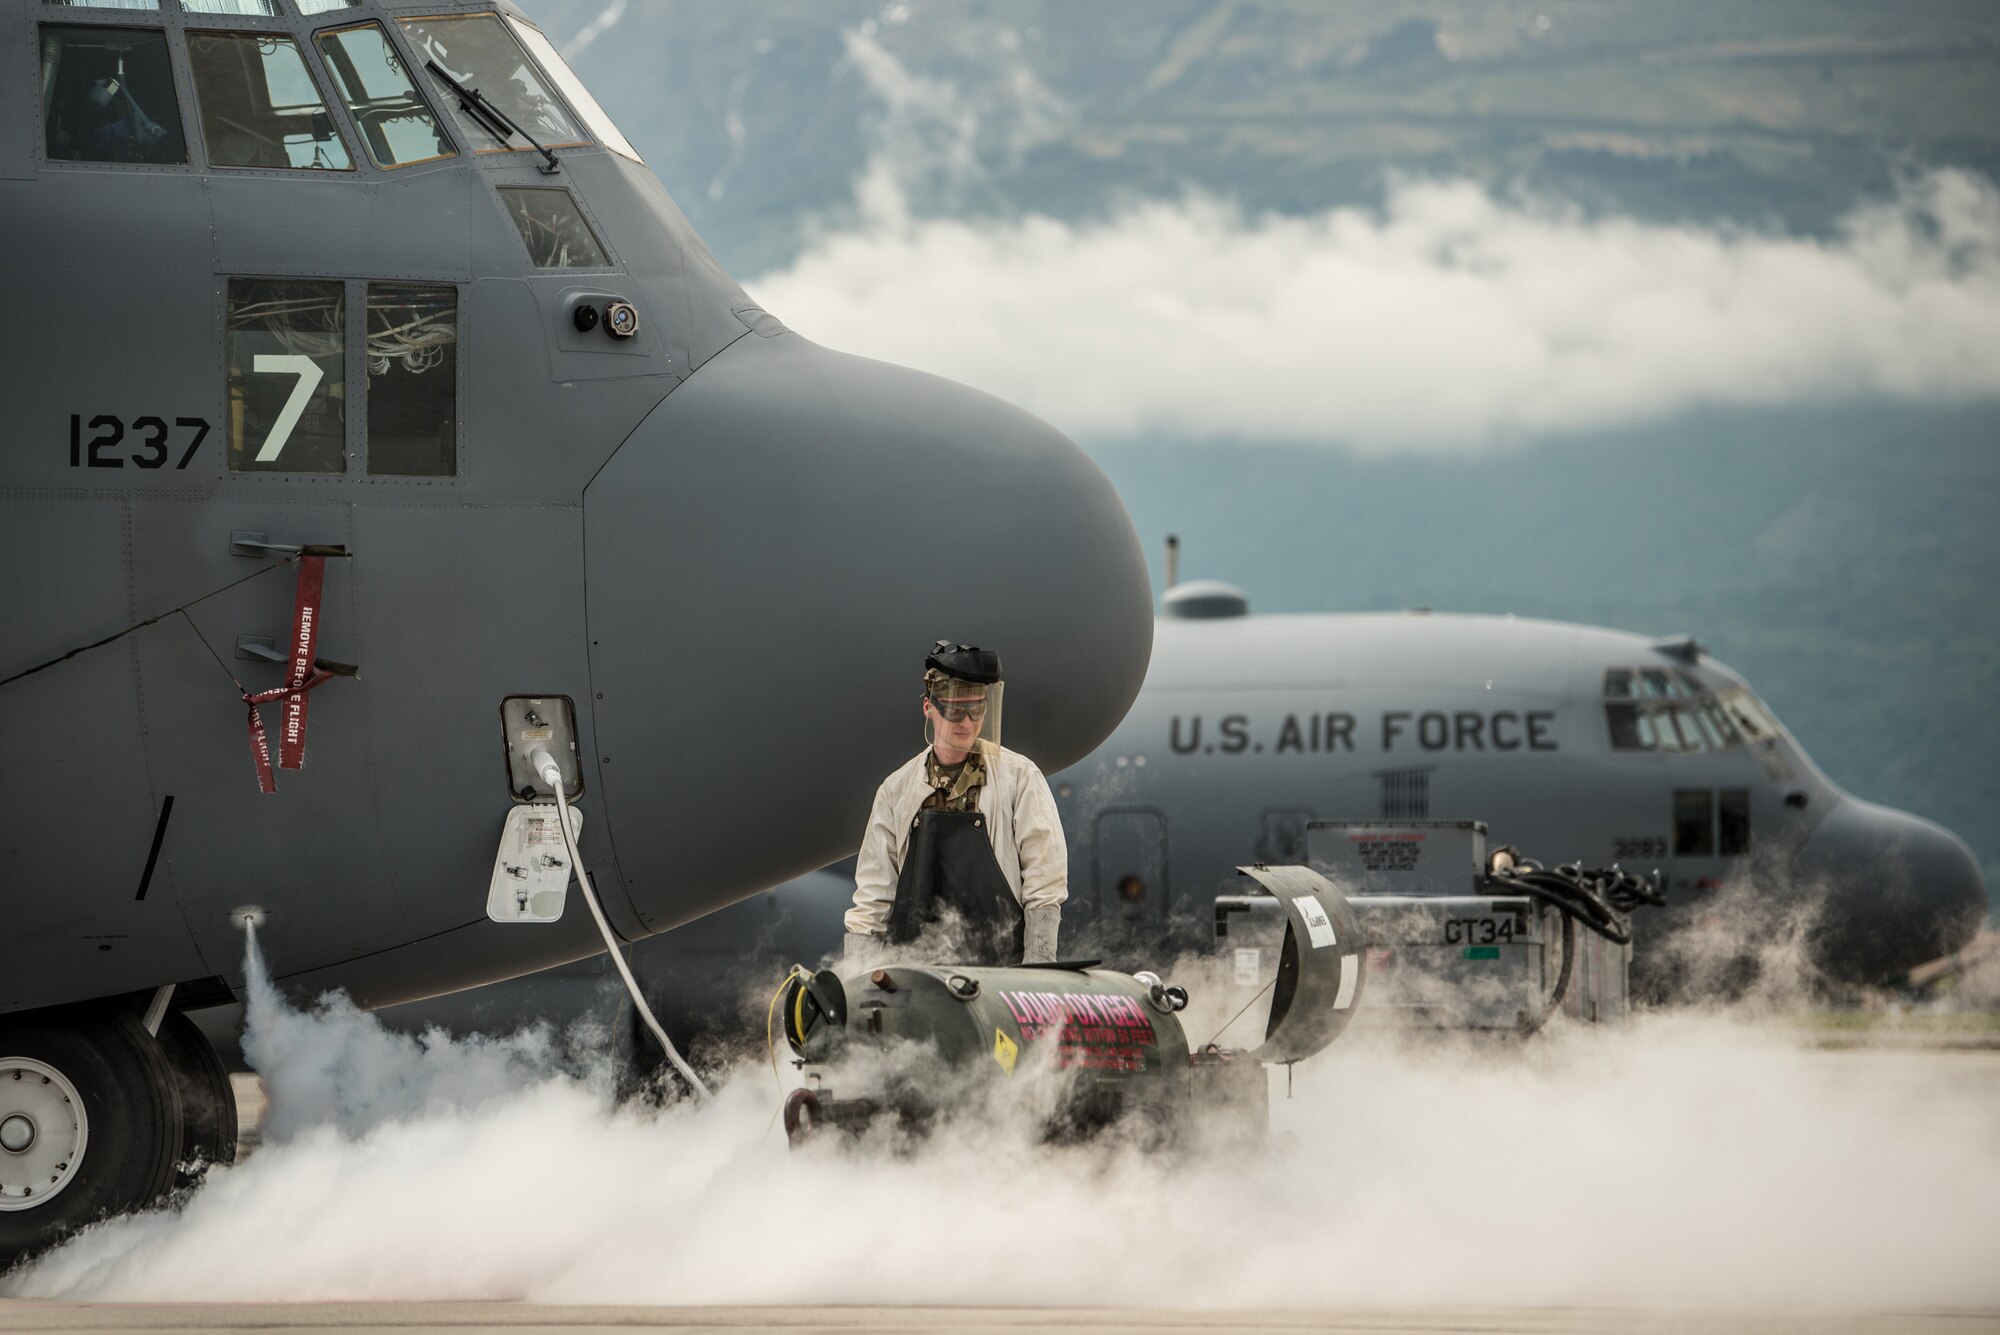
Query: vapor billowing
{"x":1449,"y":318}
{"x":1684,"y":1161}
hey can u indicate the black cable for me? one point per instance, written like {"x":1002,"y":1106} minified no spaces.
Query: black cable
{"x":1628,"y":891}
{"x":141,"y":625}
{"x":1601,"y":898}
{"x":1569,"y":889}
{"x":1562,"y":979}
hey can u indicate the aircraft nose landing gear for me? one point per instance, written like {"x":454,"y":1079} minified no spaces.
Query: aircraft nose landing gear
{"x":43,"y":1132}
{"x":92,"y":1120}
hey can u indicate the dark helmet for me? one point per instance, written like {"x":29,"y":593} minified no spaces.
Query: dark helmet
{"x":965,"y":662}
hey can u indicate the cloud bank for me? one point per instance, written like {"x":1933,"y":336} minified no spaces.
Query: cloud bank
{"x":1449,"y":318}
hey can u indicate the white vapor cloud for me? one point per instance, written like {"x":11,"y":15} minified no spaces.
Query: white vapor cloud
{"x":1448,"y":318}
{"x":1680,"y":1161}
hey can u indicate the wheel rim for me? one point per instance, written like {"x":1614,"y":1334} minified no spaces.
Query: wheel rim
{"x":43,"y":1132}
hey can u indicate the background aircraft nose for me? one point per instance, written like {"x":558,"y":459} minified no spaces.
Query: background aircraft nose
{"x":837,"y":515}
{"x":1901,"y":891}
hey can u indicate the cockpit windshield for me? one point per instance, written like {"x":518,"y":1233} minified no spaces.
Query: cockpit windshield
{"x":1672,"y":710}
{"x":572,"y":88}
{"x":480,"y":53}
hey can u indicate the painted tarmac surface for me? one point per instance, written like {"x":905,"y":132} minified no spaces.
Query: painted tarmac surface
{"x":521,"y":1319}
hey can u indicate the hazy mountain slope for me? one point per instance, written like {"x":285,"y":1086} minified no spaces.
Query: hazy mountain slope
{"x":756,"y":113}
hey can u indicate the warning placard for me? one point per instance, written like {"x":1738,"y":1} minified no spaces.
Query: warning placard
{"x":1092,"y":1032}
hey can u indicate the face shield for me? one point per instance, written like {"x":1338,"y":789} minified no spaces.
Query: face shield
{"x":960,"y":714}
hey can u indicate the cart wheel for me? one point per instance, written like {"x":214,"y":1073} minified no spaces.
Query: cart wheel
{"x":801,"y":1116}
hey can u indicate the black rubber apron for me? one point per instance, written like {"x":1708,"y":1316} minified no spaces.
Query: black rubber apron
{"x":950,"y":874}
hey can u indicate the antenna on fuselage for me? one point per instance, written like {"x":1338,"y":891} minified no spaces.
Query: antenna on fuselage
{"x":1173,"y":559}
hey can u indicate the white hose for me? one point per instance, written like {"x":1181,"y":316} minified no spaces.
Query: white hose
{"x":552,"y":776}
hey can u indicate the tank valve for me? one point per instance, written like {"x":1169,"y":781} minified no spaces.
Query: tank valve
{"x":1165,"y":999}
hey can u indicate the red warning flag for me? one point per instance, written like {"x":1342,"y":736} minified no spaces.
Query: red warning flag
{"x":301,"y":676}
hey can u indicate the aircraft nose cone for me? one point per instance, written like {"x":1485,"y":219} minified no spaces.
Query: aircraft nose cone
{"x":1901,"y":891}
{"x":836,"y":515}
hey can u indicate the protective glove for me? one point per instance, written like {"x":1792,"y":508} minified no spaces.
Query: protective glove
{"x":860,"y":950}
{"x":1040,"y":940}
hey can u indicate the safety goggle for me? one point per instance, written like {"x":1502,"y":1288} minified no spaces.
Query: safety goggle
{"x":958,"y":711}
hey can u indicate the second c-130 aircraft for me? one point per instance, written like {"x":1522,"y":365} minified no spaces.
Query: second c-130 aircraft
{"x":1574,"y":743}
{"x":378,"y":424}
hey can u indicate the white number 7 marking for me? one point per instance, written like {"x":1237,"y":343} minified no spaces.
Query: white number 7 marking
{"x":309,"y":376}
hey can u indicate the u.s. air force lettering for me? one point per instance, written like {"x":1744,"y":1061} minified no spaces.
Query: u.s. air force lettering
{"x":1391,"y":730}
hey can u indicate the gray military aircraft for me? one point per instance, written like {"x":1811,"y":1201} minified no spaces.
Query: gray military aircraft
{"x":1573,"y":743}
{"x":360,"y":368}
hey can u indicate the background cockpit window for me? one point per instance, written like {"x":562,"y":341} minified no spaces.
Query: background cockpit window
{"x":1749,"y":716}
{"x":412,"y":380}
{"x":256,"y":9}
{"x":480,"y":53}
{"x":259,"y":105}
{"x":1646,"y":709}
{"x":396,"y":127}
{"x":554,"y":231}
{"x":572,"y":88}
{"x":1624,"y":720}
{"x":287,"y":390}
{"x":108,"y":96}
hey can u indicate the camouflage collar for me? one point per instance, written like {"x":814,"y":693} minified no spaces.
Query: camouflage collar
{"x":960,"y":791}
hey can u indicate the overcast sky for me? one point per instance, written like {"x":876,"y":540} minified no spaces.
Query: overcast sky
{"x":1448,"y":318}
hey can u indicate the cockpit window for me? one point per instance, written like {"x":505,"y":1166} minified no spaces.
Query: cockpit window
{"x":1723,"y":726}
{"x":396,"y":127}
{"x":258,"y":9}
{"x":108,"y":96}
{"x":1659,"y":684}
{"x":259,"y":105}
{"x":1749,"y":715}
{"x":312,"y":7}
{"x":1672,"y":738}
{"x":572,"y":88}
{"x":1654,"y":709}
{"x":106,"y":4}
{"x":412,"y":380}
{"x":556,"y":234}
{"x":480,"y":53}
{"x":287,"y":390}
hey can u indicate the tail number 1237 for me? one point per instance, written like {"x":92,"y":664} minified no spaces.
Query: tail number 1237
{"x":147,"y":445}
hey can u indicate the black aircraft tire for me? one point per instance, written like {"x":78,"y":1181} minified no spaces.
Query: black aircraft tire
{"x":132,"y":1108}
{"x":208,"y":1104}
